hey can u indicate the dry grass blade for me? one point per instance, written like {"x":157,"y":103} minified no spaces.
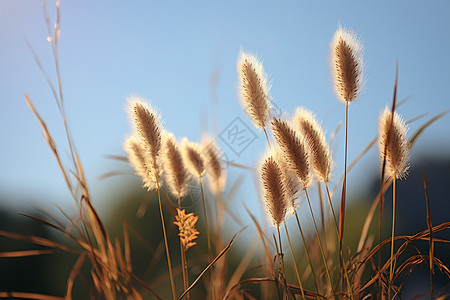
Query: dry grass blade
{"x":146,"y":286}
{"x":73,"y":274}
{"x":431,"y":244}
{"x":243,"y":265}
{"x":21,"y":295}
{"x":261,"y":234}
{"x":424,"y":126}
{"x":36,"y":240}
{"x":48,"y":138}
{"x":292,"y":288}
{"x":24,"y":253}
{"x":212,"y":263}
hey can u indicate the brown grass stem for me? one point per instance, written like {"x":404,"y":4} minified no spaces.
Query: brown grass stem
{"x":267,"y":137}
{"x":344,"y":187}
{"x":431,"y":243}
{"x":392,"y":264}
{"x":169,"y":264}
{"x":207,"y":231}
{"x":294,"y":261}
{"x":320,"y":243}
{"x":308,"y":257}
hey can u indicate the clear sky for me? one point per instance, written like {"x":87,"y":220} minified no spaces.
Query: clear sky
{"x":181,"y":55}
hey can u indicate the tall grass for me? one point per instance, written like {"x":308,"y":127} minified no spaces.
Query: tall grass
{"x":298,"y":155}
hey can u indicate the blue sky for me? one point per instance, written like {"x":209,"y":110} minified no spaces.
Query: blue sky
{"x":167,"y":52}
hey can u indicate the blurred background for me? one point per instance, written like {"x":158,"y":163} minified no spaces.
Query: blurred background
{"x":182,"y":58}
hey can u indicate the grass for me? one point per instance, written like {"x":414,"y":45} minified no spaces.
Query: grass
{"x":326,"y":268}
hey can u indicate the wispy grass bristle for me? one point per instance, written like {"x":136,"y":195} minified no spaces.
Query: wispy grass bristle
{"x":274,"y":190}
{"x":297,"y":155}
{"x":397,"y":148}
{"x":216,"y":172}
{"x":321,"y":159}
{"x":347,"y":65}
{"x":176,"y":174}
{"x":254,"y":89}
{"x":193,"y":158}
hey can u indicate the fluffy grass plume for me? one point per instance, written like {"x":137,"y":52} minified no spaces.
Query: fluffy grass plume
{"x":294,"y":148}
{"x":147,"y":125}
{"x":193,"y":158}
{"x":186,"y":226}
{"x":347,"y":65}
{"x":216,"y":172}
{"x":273,"y":189}
{"x":254,"y":89}
{"x":396,"y":150}
{"x":136,"y":156}
{"x":322,"y":161}
{"x":291,"y":181}
{"x":175,"y":172}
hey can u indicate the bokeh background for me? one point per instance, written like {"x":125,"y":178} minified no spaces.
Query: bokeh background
{"x":182,"y":56}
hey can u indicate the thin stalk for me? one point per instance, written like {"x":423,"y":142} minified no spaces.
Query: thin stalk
{"x":431,"y":243}
{"x":185,"y":272}
{"x":392,"y":265}
{"x":320,"y":243}
{"x":183,"y":257}
{"x":341,"y":258}
{"x":307,"y":253}
{"x":206,"y":217}
{"x":280,"y":254}
{"x":267,"y":137}
{"x":344,"y":188}
{"x":295,"y":263}
{"x":172,"y":283}
{"x":207,"y":232}
{"x":332,"y":209}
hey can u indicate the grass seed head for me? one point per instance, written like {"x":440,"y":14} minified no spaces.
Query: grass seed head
{"x":396,"y":149}
{"x":273,"y":189}
{"x":147,"y":125}
{"x":294,"y":148}
{"x":186,"y":226}
{"x":321,"y":159}
{"x":254,"y":89}
{"x":291,"y":181}
{"x":137,"y":158}
{"x":175,"y":172}
{"x":193,"y":158}
{"x":347,"y":65}
{"x":216,"y":171}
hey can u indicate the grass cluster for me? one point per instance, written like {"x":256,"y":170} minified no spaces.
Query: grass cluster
{"x":297,"y":156}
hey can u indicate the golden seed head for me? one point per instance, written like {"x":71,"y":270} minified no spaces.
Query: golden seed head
{"x":396,"y":149}
{"x":254,"y":89}
{"x":273,"y":189}
{"x":186,"y":226}
{"x":306,"y":125}
{"x":347,"y":65}
{"x":216,"y":171}
{"x":137,"y":158}
{"x":193,"y":158}
{"x":175,"y":172}
{"x":294,"y":148}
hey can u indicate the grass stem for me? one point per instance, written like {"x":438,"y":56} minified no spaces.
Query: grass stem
{"x":392,"y":265}
{"x":320,"y":243}
{"x":172,"y":283}
{"x":295,"y":263}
